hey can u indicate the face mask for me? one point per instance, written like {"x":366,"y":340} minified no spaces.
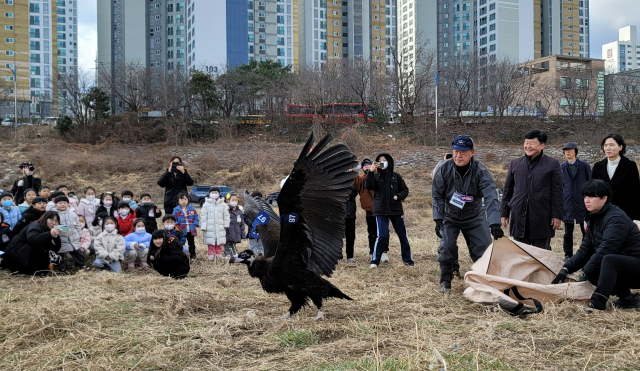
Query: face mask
{"x":126,"y":199}
{"x":7,"y":203}
{"x":28,"y":172}
{"x":108,"y":203}
{"x":124,"y":213}
{"x":146,"y":203}
{"x":169,"y":227}
{"x":91,"y":198}
{"x":233,"y":203}
{"x":384,"y":164}
{"x":110,"y":227}
{"x":141,"y":230}
{"x":214,"y":195}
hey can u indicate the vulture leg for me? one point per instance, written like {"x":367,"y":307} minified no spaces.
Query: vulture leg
{"x":297,"y":302}
{"x":319,"y":316}
{"x":317,"y":301}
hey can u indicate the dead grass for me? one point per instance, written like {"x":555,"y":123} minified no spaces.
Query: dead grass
{"x":219,"y":318}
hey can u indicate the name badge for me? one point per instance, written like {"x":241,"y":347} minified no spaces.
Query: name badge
{"x":151,"y":214}
{"x":458,"y":200}
{"x":5,"y":238}
{"x":239,"y":219}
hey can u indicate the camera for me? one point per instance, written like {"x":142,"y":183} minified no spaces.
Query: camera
{"x":31,"y":168}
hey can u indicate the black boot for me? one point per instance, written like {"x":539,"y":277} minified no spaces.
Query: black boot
{"x":446,"y":274}
{"x":630,"y":301}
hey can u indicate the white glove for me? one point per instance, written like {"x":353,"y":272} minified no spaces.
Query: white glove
{"x":142,"y":246}
{"x":20,"y":183}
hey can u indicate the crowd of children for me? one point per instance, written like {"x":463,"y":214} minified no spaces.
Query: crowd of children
{"x":118,"y":229}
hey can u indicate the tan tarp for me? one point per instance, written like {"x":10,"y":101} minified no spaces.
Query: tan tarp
{"x":508,"y":264}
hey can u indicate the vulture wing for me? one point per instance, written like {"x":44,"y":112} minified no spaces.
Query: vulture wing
{"x":270,"y":232}
{"x":312,"y":208}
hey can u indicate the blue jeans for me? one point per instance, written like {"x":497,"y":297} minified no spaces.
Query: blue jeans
{"x":113,"y":266}
{"x":256,"y":246}
{"x":382,"y":242}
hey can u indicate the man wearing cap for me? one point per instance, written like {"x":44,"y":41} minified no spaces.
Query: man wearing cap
{"x":459,"y":187}
{"x":575,"y":173}
{"x":28,"y":181}
{"x":366,"y":203}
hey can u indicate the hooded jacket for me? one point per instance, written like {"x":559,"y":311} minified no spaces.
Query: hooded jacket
{"x":28,"y":216}
{"x":169,"y":259}
{"x":189,"y":222}
{"x":70,"y":241}
{"x":385,"y":183}
{"x":109,"y":246}
{"x":88,"y":209}
{"x":173,"y":183}
{"x":28,"y":252}
{"x":214,"y":219}
{"x":139,"y":238}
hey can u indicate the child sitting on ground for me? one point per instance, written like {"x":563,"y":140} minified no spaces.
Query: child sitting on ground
{"x":108,"y":204}
{"x":5,"y":233}
{"x":187,"y":220}
{"x":45,"y":191}
{"x":148,"y":212}
{"x":85,"y":239}
{"x":29,"y":196}
{"x":11,"y":214}
{"x":73,"y":206}
{"x":109,"y":246}
{"x":166,"y":256}
{"x":169,"y":222}
{"x":137,"y":244}
{"x":70,"y":238}
{"x":88,"y":205}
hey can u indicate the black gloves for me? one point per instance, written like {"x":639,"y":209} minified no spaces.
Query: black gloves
{"x":439,"y":223}
{"x":583,"y":277}
{"x":496,"y":231}
{"x":562,"y":275}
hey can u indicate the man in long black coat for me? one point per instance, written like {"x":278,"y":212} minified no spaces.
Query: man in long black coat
{"x":575,"y":174}
{"x":532,"y":202}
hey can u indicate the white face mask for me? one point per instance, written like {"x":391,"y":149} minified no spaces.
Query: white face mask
{"x":214,"y":195}
{"x":233,"y":203}
{"x":107,"y":203}
{"x":28,"y":172}
{"x":91,"y":198}
{"x":126,"y":199}
{"x":141,"y":230}
{"x":384,"y":164}
{"x":110,"y":227}
{"x":169,"y":227}
{"x":124,"y":213}
{"x":146,"y":203}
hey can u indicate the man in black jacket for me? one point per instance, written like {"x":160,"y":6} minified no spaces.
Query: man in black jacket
{"x":390,"y":190}
{"x":28,"y":181}
{"x":610,"y":252}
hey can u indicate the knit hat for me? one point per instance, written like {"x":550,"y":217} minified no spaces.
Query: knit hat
{"x":143,"y":195}
{"x":6,"y":194}
{"x":62,"y":198}
{"x":39,"y":199}
{"x":214,"y":189}
{"x":126,"y":193}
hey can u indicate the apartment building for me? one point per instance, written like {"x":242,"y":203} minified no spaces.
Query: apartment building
{"x":624,"y":54}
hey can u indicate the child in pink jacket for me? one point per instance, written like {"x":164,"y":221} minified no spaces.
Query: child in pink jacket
{"x":86,"y":245}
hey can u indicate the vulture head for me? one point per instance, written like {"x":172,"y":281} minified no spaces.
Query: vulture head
{"x":246,"y":257}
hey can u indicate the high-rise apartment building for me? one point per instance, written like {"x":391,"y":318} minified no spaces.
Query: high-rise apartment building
{"x":335,"y":30}
{"x":67,"y":55}
{"x":391,"y":30}
{"x":561,"y":28}
{"x":505,"y":30}
{"x":624,"y":54}
{"x":30,"y":46}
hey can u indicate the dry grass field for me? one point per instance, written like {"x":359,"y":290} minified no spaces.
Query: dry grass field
{"x":218,"y":318}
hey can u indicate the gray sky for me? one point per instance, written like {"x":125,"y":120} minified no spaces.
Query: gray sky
{"x":606,"y":17}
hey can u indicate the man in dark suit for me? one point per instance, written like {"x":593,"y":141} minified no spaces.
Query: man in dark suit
{"x":575,"y":173}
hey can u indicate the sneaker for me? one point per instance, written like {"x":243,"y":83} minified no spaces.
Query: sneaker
{"x":384,"y":258}
{"x":211,"y":257}
{"x":444,"y":288}
{"x":144,"y":265}
{"x":373,"y":265}
{"x":351,"y":261}
{"x":408,"y":264}
{"x":631,"y":301}
{"x":132,"y":265}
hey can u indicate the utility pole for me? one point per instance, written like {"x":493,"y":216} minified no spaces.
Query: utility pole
{"x":15,"y":98}
{"x":436,"y":142}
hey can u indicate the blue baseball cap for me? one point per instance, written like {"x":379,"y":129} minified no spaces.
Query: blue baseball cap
{"x":462,"y":143}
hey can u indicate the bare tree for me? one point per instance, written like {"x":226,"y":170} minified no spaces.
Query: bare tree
{"x":459,"y":86}
{"x":498,"y":90}
{"x":74,"y":86}
{"x":622,"y":92}
{"x":132,"y":84}
{"x":578,"y":89}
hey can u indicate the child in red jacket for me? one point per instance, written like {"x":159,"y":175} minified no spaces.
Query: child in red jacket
{"x":125,"y":218}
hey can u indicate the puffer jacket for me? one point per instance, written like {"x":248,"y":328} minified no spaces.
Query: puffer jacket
{"x":149,"y":213}
{"x":88,"y":209}
{"x":386,"y":183}
{"x":139,"y":238}
{"x":125,"y":226}
{"x":11,"y":216}
{"x":85,"y":241}
{"x":95,"y":231}
{"x":71,"y":239}
{"x":28,"y":216}
{"x":109,"y":246}
{"x":28,"y":252}
{"x":214,"y":219}
{"x":609,"y":231}
{"x":236,"y":225}
{"x":169,"y":259}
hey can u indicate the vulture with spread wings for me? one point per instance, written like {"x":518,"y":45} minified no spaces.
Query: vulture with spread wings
{"x":305,"y":241}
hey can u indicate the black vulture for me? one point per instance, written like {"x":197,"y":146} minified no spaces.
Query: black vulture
{"x":307,"y":241}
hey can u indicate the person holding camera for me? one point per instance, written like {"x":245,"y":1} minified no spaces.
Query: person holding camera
{"x":28,"y":181}
{"x":459,"y":187}
{"x":175,"y":180}
{"x":389,"y":192}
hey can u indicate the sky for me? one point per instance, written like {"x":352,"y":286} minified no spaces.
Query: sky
{"x":606,"y":17}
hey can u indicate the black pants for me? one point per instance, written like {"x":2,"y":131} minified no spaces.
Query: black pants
{"x":78,"y":259}
{"x":168,"y":208}
{"x":350,"y":234}
{"x":567,"y":244}
{"x":192,"y":244}
{"x":372,"y":231}
{"x":618,"y":274}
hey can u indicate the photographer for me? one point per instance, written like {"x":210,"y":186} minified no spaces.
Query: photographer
{"x":28,"y":181}
{"x":175,"y":180}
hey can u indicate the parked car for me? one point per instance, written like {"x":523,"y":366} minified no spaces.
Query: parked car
{"x":8,"y":122}
{"x":199,"y":192}
{"x":272,"y":198}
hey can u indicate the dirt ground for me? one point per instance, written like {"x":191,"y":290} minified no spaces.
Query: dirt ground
{"x":220,"y":319}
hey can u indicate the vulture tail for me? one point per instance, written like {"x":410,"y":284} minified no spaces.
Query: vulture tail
{"x":335,"y":292}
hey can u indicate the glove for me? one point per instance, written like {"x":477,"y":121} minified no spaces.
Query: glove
{"x":20,"y":183}
{"x":562,"y":275}
{"x":583,"y":277}
{"x":142,"y":246}
{"x":439,"y":223}
{"x":496,"y":231}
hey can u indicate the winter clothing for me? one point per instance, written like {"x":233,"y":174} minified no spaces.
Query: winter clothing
{"x":110,"y":247}
{"x":95,"y":231}
{"x":372,"y":231}
{"x":532,"y":197}
{"x":214,"y":219}
{"x":235,"y":231}
{"x":618,"y":274}
{"x":28,"y":252}
{"x":189,"y":221}
{"x":5,"y":236}
{"x":177,"y":234}
{"x":255,"y":244}
{"x":125,"y":226}
{"x":624,"y":185}
{"x":28,"y":181}
{"x":114,"y":265}
{"x":386,"y":183}
{"x":88,"y":209}
{"x":85,"y":242}
{"x":149,"y":214}
{"x":108,"y":211}
{"x":350,"y":204}
{"x":366,"y":195}
{"x":230,"y":249}
{"x":567,"y":243}
{"x":28,"y":216}
{"x":144,"y":242}
{"x":574,"y":209}
{"x":214,"y":250}
{"x":382,"y":242}
{"x":71,"y":239}
{"x":350,"y":222}
{"x":169,"y":260}
{"x":23,"y":206}
{"x":11,"y":216}
{"x":174,"y":182}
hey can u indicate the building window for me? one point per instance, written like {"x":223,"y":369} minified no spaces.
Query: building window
{"x":8,"y":40}
{"x":8,"y":15}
